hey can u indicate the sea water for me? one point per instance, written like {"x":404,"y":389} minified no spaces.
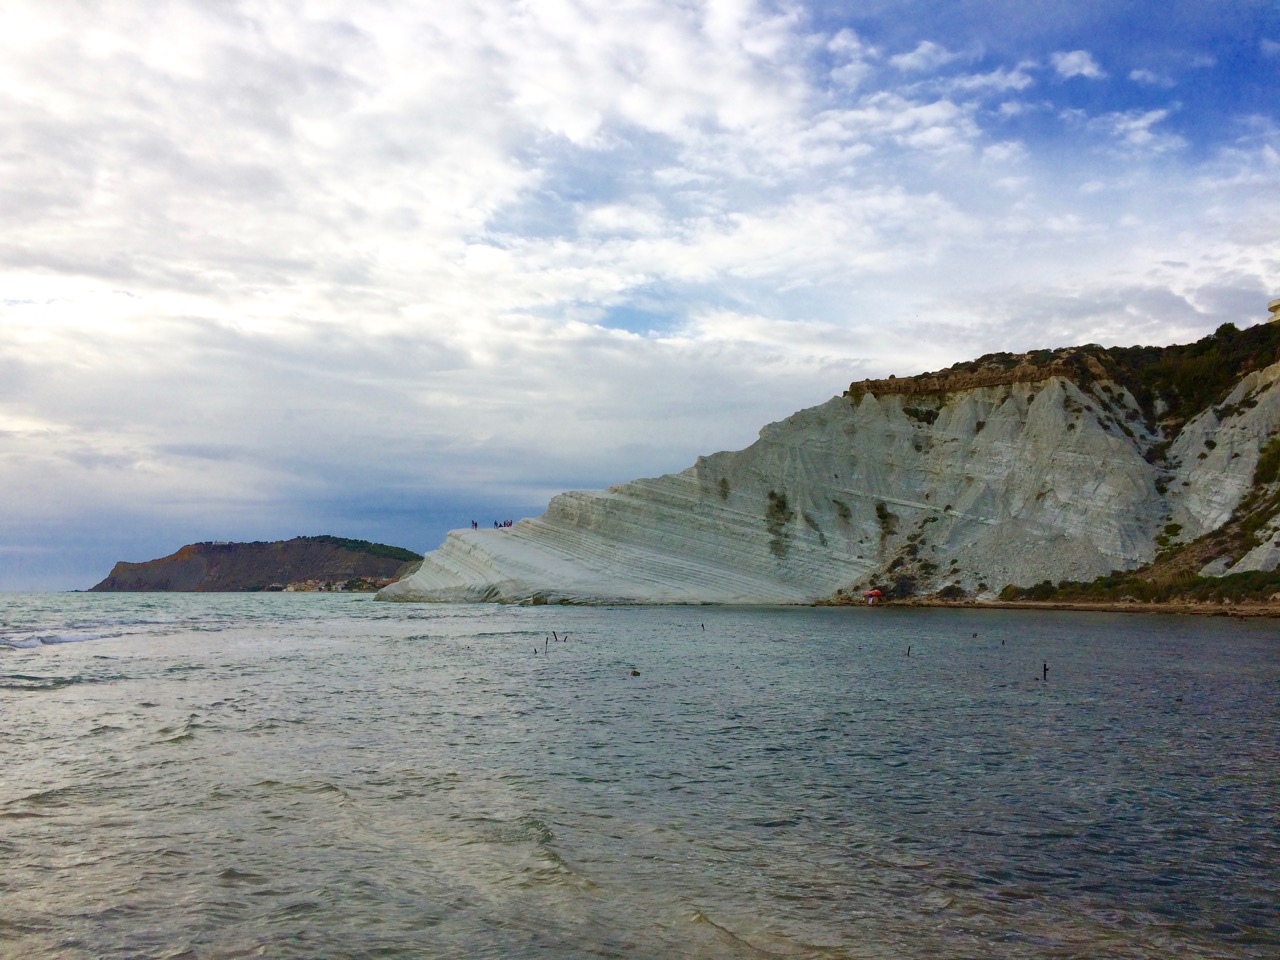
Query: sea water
{"x":282,"y":775}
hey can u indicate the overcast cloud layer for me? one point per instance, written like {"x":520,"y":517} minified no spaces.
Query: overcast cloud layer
{"x":378,"y":269}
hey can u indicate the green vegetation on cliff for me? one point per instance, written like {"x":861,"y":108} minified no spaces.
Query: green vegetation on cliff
{"x":1187,"y":378}
{"x":1252,"y":586}
{"x":364,"y":546}
{"x":1171,"y":383}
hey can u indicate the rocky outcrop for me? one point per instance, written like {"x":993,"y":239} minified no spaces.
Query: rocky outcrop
{"x":996,"y":373}
{"x":231,"y":567}
{"x":1012,"y":472}
{"x":914,"y":386}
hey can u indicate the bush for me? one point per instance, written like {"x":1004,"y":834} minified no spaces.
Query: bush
{"x":904,"y":586}
{"x":1268,"y":463}
{"x":921,"y":414}
{"x":364,"y":546}
{"x":888,"y":519}
{"x":1189,"y":587}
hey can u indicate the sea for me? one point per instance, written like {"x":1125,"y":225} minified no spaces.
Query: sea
{"x":326,"y":776}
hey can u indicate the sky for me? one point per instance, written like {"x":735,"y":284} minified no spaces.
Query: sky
{"x":379,"y":269}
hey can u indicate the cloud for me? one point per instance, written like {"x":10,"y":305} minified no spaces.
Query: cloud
{"x":1076,"y":63}
{"x":1005,"y":152}
{"x":854,"y":59}
{"x":1133,"y":130}
{"x":1150,"y":78}
{"x":1000,"y":80}
{"x":927,"y":56}
{"x":1011,"y":109}
{"x":372,"y":269}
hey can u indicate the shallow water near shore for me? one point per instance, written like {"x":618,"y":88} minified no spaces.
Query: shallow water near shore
{"x":301,"y":775}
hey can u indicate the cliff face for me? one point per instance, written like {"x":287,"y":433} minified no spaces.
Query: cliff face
{"x":1010,"y":474}
{"x":227,"y":567}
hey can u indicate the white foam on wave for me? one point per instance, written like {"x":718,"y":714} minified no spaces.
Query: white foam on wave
{"x":31,"y":641}
{"x":52,"y":638}
{"x":20,"y":642}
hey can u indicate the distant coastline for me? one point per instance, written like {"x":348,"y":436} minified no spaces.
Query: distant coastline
{"x":321,"y":564}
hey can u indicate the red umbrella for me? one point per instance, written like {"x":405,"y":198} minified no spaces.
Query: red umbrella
{"x":873,"y":593}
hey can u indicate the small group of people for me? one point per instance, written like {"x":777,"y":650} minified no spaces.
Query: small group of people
{"x":497,"y":525}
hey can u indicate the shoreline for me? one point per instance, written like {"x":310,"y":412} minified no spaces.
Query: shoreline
{"x":1266,"y":609}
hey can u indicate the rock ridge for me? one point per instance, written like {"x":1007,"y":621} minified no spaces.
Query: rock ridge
{"x":224,"y":566}
{"x":945,"y":382}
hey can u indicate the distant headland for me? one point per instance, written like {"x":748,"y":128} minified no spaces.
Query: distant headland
{"x":323,"y":563}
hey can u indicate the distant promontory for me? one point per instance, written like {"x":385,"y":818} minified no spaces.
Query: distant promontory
{"x":321,"y":563}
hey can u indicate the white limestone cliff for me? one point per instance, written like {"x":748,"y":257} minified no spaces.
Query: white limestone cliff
{"x":980,"y":487}
{"x":1218,"y":452}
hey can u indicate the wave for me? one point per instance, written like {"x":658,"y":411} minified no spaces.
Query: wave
{"x":31,"y":641}
{"x":24,"y":681}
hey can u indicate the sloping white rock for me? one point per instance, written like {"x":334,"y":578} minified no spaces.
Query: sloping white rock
{"x":1265,"y":556}
{"x":1217,"y":455}
{"x":1009,"y":484}
{"x":981,"y":488}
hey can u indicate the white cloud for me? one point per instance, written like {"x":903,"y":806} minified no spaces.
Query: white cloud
{"x":926,"y":56}
{"x":1007,"y":151}
{"x":926,"y":125}
{"x":636,"y":219}
{"x":1076,"y":63}
{"x":854,"y":59}
{"x":1000,"y":80}
{"x":1134,"y":130}
{"x":1150,"y":78}
{"x":257,"y":263}
{"x":1016,"y":108}
{"x":848,"y":43}
{"x":852,"y":74}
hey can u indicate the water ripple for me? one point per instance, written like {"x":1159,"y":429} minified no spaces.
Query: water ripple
{"x":343,"y":779}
